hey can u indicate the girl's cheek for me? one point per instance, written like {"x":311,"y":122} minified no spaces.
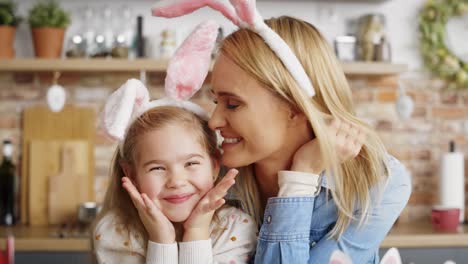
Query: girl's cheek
{"x":151,"y":188}
{"x":206,"y":185}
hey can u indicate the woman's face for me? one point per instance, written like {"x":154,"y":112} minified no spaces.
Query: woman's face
{"x":253,"y":122}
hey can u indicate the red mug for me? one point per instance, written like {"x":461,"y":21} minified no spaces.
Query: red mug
{"x":445,"y":218}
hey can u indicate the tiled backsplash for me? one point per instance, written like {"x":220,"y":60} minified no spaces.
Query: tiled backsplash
{"x":440,"y":116}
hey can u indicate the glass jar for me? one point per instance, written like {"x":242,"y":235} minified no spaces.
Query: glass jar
{"x":125,"y":34}
{"x":371,"y":30}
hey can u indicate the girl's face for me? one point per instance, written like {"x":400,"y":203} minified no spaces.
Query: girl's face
{"x":253,"y":122}
{"x":173,"y":167}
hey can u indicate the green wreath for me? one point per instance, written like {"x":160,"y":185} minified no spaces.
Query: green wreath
{"x":437,"y":57}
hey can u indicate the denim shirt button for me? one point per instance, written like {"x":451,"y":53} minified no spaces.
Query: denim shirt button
{"x":312,"y":244}
{"x":269,"y":219}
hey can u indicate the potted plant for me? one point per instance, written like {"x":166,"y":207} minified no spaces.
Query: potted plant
{"x":8,"y":22}
{"x":48,"y":22}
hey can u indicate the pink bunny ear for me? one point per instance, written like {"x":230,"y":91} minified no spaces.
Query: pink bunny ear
{"x":246,"y":10}
{"x":339,"y":257}
{"x":176,"y":8}
{"x":190,"y":64}
{"x":122,"y":105}
{"x":391,"y":257}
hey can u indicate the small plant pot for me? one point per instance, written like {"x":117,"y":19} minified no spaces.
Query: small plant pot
{"x":7,"y":37}
{"x":48,"y":42}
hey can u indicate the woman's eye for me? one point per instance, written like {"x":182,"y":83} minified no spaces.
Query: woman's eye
{"x":191,"y":163}
{"x":232,"y":104}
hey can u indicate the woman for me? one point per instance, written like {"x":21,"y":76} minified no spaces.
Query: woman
{"x":343,"y":191}
{"x":311,"y":173}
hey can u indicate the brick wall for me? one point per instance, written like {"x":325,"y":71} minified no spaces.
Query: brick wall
{"x":440,"y":116}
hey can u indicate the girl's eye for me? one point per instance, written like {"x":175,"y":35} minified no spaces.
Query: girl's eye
{"x":191,"y":163}
{"x":157,"y":168}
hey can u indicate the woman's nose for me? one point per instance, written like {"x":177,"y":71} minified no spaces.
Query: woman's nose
{"x":217,"y":119}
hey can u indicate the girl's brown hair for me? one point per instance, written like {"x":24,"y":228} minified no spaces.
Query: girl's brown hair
{"x":117,"y":200}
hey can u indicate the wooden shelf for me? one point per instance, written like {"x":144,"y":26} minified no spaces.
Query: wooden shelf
{"x":152,"y":65}
{"x":82,"y":65}
{"x":373,"y":68}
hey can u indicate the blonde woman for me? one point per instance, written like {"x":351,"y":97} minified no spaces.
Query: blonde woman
{"x":345,"y":191}
{"x":314,"y":176}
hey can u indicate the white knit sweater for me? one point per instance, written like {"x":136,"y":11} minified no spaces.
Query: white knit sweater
{"x":232,"y":242}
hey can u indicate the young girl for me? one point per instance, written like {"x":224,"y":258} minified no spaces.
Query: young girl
{"x":163,"y":204}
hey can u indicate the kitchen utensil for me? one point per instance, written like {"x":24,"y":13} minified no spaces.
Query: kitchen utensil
{"x":452,"y":180}
{"x":445,"y":218}
{"x":59,"y":181}
{"x":383,"y":51}
{"x":41,"y":166}
{"x":40,"y":123}
{"x":345,"y":48}
{"x":68,"y":188}
{"x":9,"y":256}
{"x":87,"y":212}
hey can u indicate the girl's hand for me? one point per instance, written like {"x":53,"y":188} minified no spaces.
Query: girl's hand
{"x":347,"y":140}
{"x":159,"y":228}
{"x":196,"y":227}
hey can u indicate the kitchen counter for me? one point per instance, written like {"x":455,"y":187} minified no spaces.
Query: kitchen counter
{"x":421,"y":235}
{"x":29,"y":238}
{"x":402,"y":235}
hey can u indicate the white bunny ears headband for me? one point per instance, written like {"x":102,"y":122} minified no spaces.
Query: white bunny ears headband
{"x":186,"y":73}
{"x":244,"y":14}
{"x":392,"y":256}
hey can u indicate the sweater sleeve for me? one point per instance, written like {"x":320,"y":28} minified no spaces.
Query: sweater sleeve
{"x":162,"y":253}
{"x":295,"y":184}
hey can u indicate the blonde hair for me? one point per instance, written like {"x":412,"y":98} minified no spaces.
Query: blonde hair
{"x":352,"y":179}
{"x":117,"y":200}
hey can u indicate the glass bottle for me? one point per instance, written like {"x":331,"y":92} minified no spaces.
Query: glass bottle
{"x":104,"y":38}
{"x":89,"y":30}
{"x":8,"y":186}
{"x":168,"y":44}
{"x":125,"y":34}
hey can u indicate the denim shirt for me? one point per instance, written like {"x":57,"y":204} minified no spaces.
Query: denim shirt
{"x":295,"y":229}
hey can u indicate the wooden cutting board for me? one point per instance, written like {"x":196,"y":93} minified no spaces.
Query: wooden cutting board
{"x":69,"y":188}
{"x":58,"y":181}
{"x":44,"y":157}
{"x":39,"y":123}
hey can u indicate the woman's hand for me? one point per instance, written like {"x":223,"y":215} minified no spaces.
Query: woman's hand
{"x":159,"y":228}
{"x":196,"y":227}
{"x":347,"y":140}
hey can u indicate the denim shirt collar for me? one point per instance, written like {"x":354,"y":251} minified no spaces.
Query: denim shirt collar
{"x":324,"y":181}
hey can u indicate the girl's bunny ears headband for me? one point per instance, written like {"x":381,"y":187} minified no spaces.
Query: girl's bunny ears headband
{"x":244,"y":14}
{"x":186,"y":72}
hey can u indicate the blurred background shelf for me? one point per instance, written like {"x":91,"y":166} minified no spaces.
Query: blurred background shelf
{"x":152,"y":65}
{"x":82,"y":65}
